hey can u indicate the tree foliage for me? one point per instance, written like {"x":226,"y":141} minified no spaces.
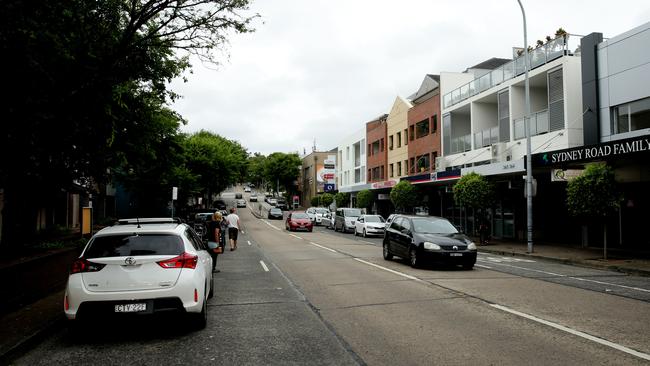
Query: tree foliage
{"x":404,"y":195}
{"x":342,"y":199}
{"x":473,"y":190}
{"x":594,"y":192}
{"x":364,"y":198}
{"x":315,"y":201}
{"x":326,"y":199}
{"x":283,"y":168}
{"x":89,"y":88}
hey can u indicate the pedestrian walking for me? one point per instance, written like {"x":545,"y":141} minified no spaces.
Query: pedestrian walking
{"x":233,"y":228}
{"x":216,"y":238}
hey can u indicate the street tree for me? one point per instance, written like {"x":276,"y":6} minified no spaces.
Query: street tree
{"x":83,"y":76}
{"x":364,"y":199}
{"x":315,"y":201}
{"x":255,"y":170}
{"x":404,"y":196}
{"x":474,"y":191}
{"x":594,"y":194}
{"x":326,"y":199}
{"x":282,"y":170}
{"x":342,"y":199}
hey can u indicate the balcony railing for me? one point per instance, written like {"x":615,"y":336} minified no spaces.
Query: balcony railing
{"x":461,"y":143}
{"x":486,"y":137}
{"x":538,"y":125}
{"x":539,"y":56}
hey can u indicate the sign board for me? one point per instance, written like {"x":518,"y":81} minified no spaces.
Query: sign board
{"x":296,"y":200}
{"x":329,"y":187}
{"x":174,"y":193}
{"x":86,"y":220}
{"x":602,"y":151}
{"x":526,"y":187}
{"x":506,"y":167}
{"x":564,"y":175}
{"x":384,"y":184}
{"x":383,"y":197}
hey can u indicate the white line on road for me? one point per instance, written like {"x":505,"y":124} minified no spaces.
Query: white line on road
{"x":295,"y":236}
{"x":575,"y":278}
{"x":604,"y":342}
{"x":271,"y":225}
{"x":388,"y":269}
{"x":320,"y":246}
{"x":478,"y":265}
{"x":264,"y":266}
{"x":367,"y":242}
{"x":249,"y":242}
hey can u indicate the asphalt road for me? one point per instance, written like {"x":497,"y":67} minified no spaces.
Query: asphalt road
{"x":330,"y":298}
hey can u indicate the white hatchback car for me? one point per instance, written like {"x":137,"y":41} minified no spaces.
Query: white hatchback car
{"x":141,"y":266}
{"x":369,"y":225}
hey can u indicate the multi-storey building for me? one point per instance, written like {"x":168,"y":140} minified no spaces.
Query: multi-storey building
{"x":351,"y":164}
{"x":483,"y":129}
{"x":398,"y":139}
{"x":377,"y":159}
{"x":310,"y":183}
{"x":616,"y":104}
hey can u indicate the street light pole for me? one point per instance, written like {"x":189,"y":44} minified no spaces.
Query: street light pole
{"x":529,"y":168}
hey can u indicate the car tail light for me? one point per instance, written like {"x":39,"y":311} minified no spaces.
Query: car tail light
{"x":185,"y":260}
{"x":82,"y":265}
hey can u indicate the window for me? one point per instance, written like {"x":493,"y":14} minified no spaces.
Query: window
{"x":406,"y":166}
{"x":434,"y":123}
{"x":369,"y":150}
{"x":390,"y":142}
{"x":382,"y":144}
{"x":412,"y":165}
{"x":357,"y":175}
{"x":434,"y":155}
{"x":399,"y":139}
{"x":411,"y":132}
{"x":375,"y":173}
{"x":406,"y":136}
{"x":347,"y":153}
{"x":357,"y":154}
{"x":375,"y":148}
{"x":631,"y":116}
{"x":423,"y":163}
{"x":369,"y":174}
{"x":422,"y":128}
{"x":381,"y":171}
{"x":446,"y":133}
{"x":399,"y":168}
{"x":390,"y":171}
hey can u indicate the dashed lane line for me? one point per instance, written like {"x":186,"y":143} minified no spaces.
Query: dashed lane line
{"x":249,"y":242}
{"x":271,"y":225}
{"x":323,"y":247}
{"x":266,"y":269}
{"x":478,"y":265}
{"x":295,"y":236}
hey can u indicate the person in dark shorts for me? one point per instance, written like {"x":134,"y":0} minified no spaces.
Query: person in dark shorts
{"x":216,"y":238}
{"x":233,"y":228}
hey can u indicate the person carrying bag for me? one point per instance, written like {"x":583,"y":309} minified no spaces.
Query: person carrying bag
{"x":216,"y":238}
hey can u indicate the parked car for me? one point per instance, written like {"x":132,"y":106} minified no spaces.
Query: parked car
{"x":389,"y":220}
{"x":247,"y":189}
{"x":238,"y":196}
{"x":275,"y":213}
{"x":141,"y":266}
{"x":281,"y":203}
{"x":241,"y":203}
{"x":203,"y":217}
{"x":328,"y":220}
{"x":345,"y":219}
{"x":369,"y":225}
{"x":253,"y":198}
{"x":219,"y":205}
{"x":298,"y":220}
{"x":316,"y":214}
{"x":272,"y":201}
{"x":428,"y":239}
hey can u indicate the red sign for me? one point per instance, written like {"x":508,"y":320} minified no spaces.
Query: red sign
{"x":384,"y":184}
{"x":329,"y":175}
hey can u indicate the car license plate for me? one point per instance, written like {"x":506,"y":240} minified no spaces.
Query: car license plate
{"x":455,"y":254}
{"x":130,"y":308}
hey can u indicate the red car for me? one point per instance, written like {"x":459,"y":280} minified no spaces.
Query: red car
{"x":298,"y":220}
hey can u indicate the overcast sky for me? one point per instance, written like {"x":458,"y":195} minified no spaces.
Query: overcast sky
{"x":317,"y":69}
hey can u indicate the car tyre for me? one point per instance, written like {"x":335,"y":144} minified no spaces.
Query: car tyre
{"x":311,"y":229}
{"x":200,"y":320}
{"x":365,"y":235}
{"x":386,"y":252}
{"x":211,"y":293}
{"x":414,"y":260}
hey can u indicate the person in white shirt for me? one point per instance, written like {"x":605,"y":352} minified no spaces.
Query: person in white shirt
{"x":233,"y":228}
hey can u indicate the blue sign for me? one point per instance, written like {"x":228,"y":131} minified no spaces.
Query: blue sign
{"x":329,"y":187}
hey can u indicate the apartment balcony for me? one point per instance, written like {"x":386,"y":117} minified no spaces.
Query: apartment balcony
{"x":486,"y":137}
{"x":539,"y":124}
{"x":539,"y":56}
{"x":461,"y":143}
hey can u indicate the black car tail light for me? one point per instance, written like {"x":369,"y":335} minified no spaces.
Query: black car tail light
{"x":82,"y":265}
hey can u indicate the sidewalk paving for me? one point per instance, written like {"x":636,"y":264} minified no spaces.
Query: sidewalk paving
{"x":27,"y":326}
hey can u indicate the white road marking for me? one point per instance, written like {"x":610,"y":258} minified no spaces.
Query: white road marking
{"x":575,"y":278}
{"x":507,"y":259}
{"x":388,"y":269}
{"x":295,"y":236}
{"x":578,"y":333}
{"x":478,"y":265}
{"x":320,"y":246}
{"x":271,"y":225}
{"x":264,"y":266}
{"x":367,"y":242}
{"x":249,"y":242}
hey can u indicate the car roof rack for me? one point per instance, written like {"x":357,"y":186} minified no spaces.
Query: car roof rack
{"x":149,"y":220}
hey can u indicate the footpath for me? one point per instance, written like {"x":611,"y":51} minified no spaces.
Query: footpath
{"x":25,"y":327}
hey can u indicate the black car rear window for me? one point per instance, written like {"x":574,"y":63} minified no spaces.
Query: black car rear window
{"x":132,"y":245}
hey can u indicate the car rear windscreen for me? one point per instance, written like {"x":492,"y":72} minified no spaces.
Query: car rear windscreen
{"x":299,"y":216}
{"x":133,"y":245}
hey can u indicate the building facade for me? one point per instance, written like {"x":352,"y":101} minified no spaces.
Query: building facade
{"x":398,"y":139}
{"x":351,"y":164}
{"x":310,"y":183}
